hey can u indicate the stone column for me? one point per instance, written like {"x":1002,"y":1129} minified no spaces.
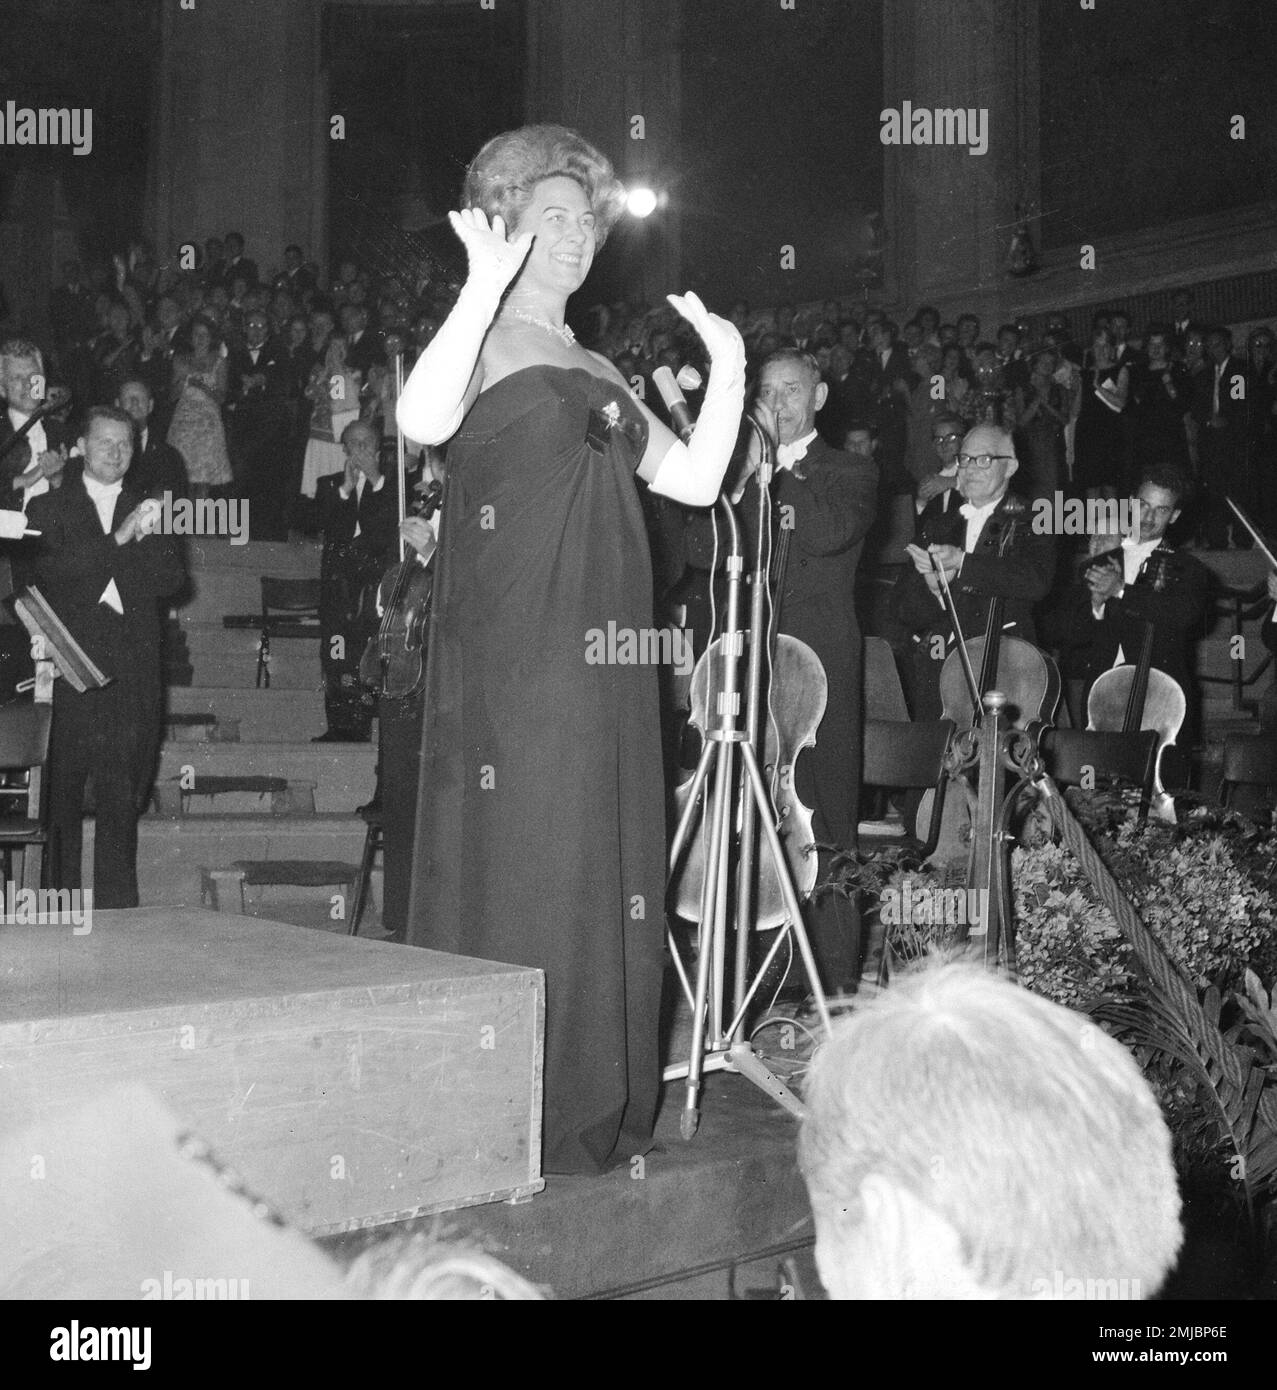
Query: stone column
{"x":949,"y":214}
{"x":241,"y":128}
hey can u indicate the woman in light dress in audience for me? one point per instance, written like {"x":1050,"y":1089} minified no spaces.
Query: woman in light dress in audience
{"x":196,"y":431}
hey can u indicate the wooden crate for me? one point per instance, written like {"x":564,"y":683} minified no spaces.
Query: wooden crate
{"x":349,"y":1082}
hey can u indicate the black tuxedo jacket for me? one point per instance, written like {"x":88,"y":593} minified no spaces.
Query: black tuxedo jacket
{"x":367,"y":352}
{"x":1010,"y":561}
{"x":827,"y":502}
{"x":296,"y":282}
{"x":1176,"y":611}
{"x":1268,"y":631}
{"x":272,"y":362}
{"x":159,"y":468}
{"x":1231,"y":410}
{"x":73,"y":567}
{"x":18,"y":458}
{"x":244,"y":266}
{"x":376,"y":513}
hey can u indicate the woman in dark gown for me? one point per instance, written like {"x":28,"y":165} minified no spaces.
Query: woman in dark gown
{"x":1162,"y":393}
{"x":1099,"y":448}
{"x":540,"y":831}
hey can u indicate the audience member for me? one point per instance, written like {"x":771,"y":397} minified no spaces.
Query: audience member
{"x":966,"y":1139}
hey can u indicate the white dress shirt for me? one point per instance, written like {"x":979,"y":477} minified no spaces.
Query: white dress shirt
{"x":104,"y":497}
{"x":975,"y":519}
{"x":358,"y":490}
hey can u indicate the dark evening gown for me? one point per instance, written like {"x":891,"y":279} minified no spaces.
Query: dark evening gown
{"x":540,"y":835}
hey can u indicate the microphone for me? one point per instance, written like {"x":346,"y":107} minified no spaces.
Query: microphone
{"x":672,"y":394}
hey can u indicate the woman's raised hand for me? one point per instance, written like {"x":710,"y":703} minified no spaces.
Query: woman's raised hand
{"x":720,"y":337}
{"x":493,"y":261}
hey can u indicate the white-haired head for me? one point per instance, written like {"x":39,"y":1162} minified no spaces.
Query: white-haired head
{"x":966,"y":1138}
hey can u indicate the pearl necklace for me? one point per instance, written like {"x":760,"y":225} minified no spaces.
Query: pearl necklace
{"x":565,"y":332}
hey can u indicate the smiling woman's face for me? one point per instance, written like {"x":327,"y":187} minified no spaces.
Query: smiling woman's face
{"x":562,"y":221}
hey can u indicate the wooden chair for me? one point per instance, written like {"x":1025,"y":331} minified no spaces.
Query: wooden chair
{"x":884,"y":694}
{"x":1250,"y":760}
{"x":906,"y":755}
{"x":24,"y":747}
{"x":1082,"y":757}
{"x":290,"y":608}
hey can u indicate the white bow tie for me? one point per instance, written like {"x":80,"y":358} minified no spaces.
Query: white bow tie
{"x":968,"y":511}
{"x":789,"y":454}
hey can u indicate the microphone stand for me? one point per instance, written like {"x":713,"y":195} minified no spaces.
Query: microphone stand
{"x":716,"y":1047}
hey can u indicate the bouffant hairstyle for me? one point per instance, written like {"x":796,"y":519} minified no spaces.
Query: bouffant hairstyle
{"x":503,"y":174}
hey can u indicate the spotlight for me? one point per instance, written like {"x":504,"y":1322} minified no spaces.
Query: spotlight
{"x":641,"y":202}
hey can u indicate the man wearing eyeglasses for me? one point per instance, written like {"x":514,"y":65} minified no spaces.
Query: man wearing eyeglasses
{"x":986,"y":548}
{"x":946,"y":434}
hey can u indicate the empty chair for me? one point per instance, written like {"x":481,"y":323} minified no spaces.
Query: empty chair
{"x":24,"y":747}
{"x":1250,"y":760}
{"x":906,"y":755}
{"x":1088,"y":758}
{"x":284,"y":601}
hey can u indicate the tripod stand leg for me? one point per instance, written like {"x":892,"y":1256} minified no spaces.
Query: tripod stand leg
{"x":786,"y":883}
{"x":712,"y":927}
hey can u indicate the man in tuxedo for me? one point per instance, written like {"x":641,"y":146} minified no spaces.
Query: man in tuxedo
{"x":987,"y":549}
{"x":27,"y":467}
{"x":259,"y":420}
{"x":362,"y":348}
{"x":157,"y":466}
{"x":947,"y":432}
{"x":104,"y":571}
{"x":1141,"y":581}
{"x":237,"y":263}
{"x":358,"y":515}
{"x":826,"y":501}
{"x":71,"y":315}
{"x":1221,"y":411}
{"x":295,"y":276}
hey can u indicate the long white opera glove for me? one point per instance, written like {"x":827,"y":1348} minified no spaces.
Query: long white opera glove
{"x":433,"y":399}
{"x":692,"y":473}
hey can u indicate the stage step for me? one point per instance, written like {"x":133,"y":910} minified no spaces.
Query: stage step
{"x":277,"y":715}
{"x":227,"y":580}
{"x":344,"y":774}
{"x":222,"y":656}
{"x":173,"y":849}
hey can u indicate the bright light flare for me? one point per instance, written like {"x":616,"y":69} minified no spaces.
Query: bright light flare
{"x":640,"y":202}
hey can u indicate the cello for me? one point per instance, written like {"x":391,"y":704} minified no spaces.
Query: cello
{"x":1130,"y":698}
{"x":1026,"y":676}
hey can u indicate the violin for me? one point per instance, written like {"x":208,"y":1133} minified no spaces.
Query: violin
{"x":1131,"y":698}
{"x":393,"y":661}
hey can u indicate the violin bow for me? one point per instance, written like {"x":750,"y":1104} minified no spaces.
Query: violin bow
{"x":1255,"y":536}
{"x":401,"y":462}
{"x":968,"y":671}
